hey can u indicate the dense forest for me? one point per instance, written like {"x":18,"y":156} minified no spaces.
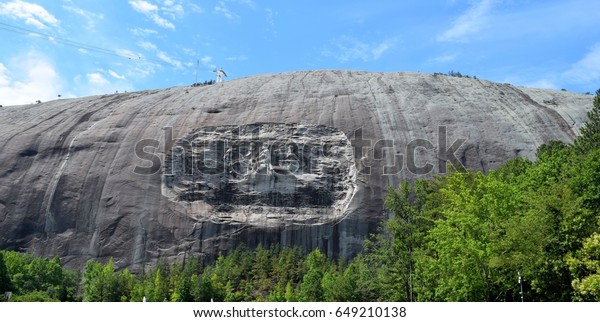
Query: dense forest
{"x":465,"y":236}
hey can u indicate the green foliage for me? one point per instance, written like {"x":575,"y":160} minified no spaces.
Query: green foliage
{"x":29,"y":274}
{"x":35,"y":296}
{"x":590,"y":132}
{"x":585,"y":267}
{"x":316,"y":265}
{"x":5,"y":283}
{"x":102,"y":284}
{"x":453,"y":73}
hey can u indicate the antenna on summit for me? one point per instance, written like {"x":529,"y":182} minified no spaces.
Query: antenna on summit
{"x":197,"y":67}
{"x":220,"y":73}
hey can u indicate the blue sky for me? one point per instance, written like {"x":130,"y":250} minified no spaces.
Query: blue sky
{"x":77,"y":48}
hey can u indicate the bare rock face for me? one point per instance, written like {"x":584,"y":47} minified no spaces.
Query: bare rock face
{"x":299,"y":158}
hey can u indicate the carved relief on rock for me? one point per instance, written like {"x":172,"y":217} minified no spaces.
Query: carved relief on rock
{"x":264,"y":174}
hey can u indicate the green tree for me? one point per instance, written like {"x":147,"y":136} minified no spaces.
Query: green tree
{"x":586,"y":181}
{"x":403,"y":234}
{"x":290,"y":294}
{"x":261,"y":270}
{"x":102,"y":284}
{"x":35,"y":296}
{"x":31,"y":274}
{"x":590,"y":132}
{"x":310,"y":289}
{"x":183,"y":286}
{"x":5,"y":283}
{"x":364,"y":273}
{"x":278,"y":294}
{"x":160,"y":289}
{"x":339,"y":286}
{"x":585,"y":266}
{"x":482,"y":234}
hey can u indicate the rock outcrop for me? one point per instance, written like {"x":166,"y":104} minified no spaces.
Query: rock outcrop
{"x":299,"y":158}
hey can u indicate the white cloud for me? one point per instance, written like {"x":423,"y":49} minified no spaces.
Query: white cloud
{"x":96,"y":83}
{"x":162,"y":22}
{"x":97,"y":80}
{"x":33,"y":14}
{"x":116,"y":75}
{"x":222,"y":9}
{"x":237,"y":58}
{"x":271,"y":16}
{"x":542,"y":83}
{"x":469,"y":23}
{"x":249,"y":3}
{"x":92,"y":18}
{"x":143,"y":6}
{"x":4,"y":76}
{"x":206,"y":59}
{"x":146,"y":45}
{"x":445,"y":58}
{"x":27,"y":79}
{"x":349,"y":49}
{"x":130,"y":54}
{"x":143,"y":32}
{"x":151,"y":11}
{"x":196,"y":8}
{"x":168,"y":59}
{"x":172,"y":9}
{"x":189,"y":52}
{"x":142,"y":71}
{"x":381,"y":48}
{"x":587,"y":69}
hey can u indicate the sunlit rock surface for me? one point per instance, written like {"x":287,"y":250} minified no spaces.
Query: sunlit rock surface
{"x":300,"y":158}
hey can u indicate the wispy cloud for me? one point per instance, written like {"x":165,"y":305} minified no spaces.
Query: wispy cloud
{"x":151,"y":11}
{"x":90,"y":17}
{"x":129,"y":54}
{"x":190,"y":52}
{"x":206,"y":60}
{"x":587,"y":69}
{"x":32,"y":14}
{"x":116,"y":75}
{"x":444,"y":58}
{"x":146,"y":45}
{"x":168,"y":59}
{"x":222,"y":9}
{"x":542,"y":83}
{"x":350,"y":49}
{"x":142,"y":70}
{"x":97,"y":80}
{"x":237,"y":58}
{"x":271,"y":16}
{"x":28,"y":78}
{"x":468,"y":23}
{"x":249,"y":3}
{"x":172,"y":9}
{"x":143,"y":32}
{"x":196,"y":8}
